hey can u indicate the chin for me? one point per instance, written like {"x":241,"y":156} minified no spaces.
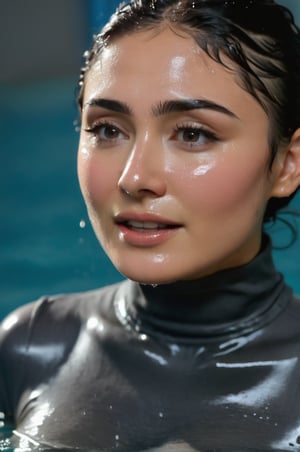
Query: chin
{"x":149,"y":278}
{"x":169,"y":270}
{"x":153,"y":281}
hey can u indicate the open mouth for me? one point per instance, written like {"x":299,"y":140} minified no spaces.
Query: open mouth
{"x":145,"y":232}
{"x":145,"y":226}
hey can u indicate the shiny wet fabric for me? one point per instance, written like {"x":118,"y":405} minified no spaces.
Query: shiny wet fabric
{"x":208,"y":365}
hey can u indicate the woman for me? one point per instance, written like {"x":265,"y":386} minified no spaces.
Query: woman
{"x":190,"y":142}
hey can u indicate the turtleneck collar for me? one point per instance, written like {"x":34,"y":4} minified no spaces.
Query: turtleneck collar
{"x":229,"y":302}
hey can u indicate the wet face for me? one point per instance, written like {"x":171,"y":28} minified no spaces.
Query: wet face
{"x":173,"y":160}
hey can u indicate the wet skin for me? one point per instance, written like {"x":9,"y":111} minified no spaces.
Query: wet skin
{"x":169,"y":137}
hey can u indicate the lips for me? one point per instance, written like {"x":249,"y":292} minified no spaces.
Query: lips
{"x":146,"y":225}
{"x":145,"y":221}
{"x":145,"y":229}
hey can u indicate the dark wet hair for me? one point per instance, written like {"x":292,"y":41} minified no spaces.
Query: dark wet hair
{"x":259,"y":36}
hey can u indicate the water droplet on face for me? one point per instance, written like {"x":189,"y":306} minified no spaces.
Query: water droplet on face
{"x":85,"y":153}
{"x":93,"y":141}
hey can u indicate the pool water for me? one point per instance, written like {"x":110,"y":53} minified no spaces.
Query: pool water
{"x":10,"y":441}
{"x":47,"y":245}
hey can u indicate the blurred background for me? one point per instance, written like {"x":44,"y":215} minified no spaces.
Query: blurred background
{"x":46,"y":243}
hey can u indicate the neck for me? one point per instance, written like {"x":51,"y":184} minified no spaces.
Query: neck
{"x":227,"y":301}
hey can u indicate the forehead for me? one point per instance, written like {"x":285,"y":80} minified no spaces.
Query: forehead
{"x":150,"y":66}
{"x":159,"y":54}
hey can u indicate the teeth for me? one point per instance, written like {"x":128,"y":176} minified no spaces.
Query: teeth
{"x":145,"y":225}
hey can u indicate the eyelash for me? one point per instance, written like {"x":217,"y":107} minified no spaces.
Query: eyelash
{"x":197,"y":129}
{"x":95,"y":129}
{"x":208,"y":135}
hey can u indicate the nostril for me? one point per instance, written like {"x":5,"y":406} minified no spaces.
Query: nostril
{"x":142,"y":178}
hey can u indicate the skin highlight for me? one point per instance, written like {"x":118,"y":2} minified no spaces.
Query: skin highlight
{"x":205,"y":170}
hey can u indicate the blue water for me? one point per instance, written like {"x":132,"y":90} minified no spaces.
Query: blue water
{"x":44,"y":250}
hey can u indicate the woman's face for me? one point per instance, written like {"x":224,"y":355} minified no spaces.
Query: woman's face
{"x":173,"y":159}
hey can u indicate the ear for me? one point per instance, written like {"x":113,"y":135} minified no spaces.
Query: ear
{"x":287,"y":168}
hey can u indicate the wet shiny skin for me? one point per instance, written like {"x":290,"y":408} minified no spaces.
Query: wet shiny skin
{"x":145,"y":166}
{"x":215,"y":365}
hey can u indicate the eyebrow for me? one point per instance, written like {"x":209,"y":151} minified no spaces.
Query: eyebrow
{"x":110,"y":104}
{"x":162,"y":108}
{"x":175,"y":106}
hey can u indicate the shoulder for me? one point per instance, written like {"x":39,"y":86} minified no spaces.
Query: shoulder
{"x":37,"y":338}
{"x":20,"y":324}
{"x":14,"y":329}
{"x":51,"y":319}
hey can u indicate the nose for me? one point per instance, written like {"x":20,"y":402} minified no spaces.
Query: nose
{"x":143,"y":173}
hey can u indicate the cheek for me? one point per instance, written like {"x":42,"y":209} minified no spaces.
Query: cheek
{"x":96,"y":179}
{"x":224,"y":185}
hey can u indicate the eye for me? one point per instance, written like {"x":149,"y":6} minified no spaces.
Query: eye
{"x":193,"y":135}
{"x":190,"y":135}
{"x":106,"y":131}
